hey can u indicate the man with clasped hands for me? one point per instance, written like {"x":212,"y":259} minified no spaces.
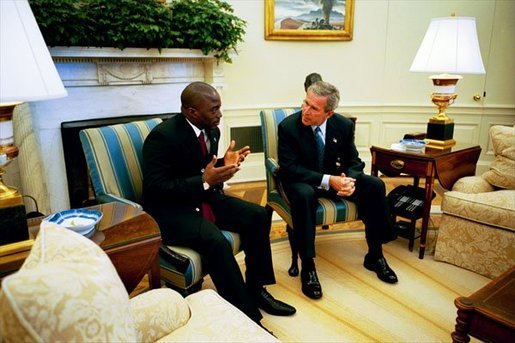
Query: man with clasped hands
{"x":337,"y":173}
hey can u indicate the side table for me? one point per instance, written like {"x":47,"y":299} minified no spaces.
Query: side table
{"x":447,"y":166}
{"x":489,"y":313}
{"x":129,"y":236}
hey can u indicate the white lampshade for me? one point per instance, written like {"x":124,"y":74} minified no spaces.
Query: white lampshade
{"x":450,"y":46}
{"x":27,"y":72}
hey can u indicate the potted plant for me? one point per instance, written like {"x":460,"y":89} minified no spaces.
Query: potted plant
{"x":208,"y":25}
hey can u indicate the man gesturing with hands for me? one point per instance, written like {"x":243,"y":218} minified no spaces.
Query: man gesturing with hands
{"x":318,"y":157}
{"x":183,"y":190}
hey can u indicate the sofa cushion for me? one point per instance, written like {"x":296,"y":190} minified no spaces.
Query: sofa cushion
{"x":67,"y":290}
{"x":502,"y":169}
{"x":491,"y":208}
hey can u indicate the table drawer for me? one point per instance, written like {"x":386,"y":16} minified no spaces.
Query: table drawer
{"x":395,"y":165}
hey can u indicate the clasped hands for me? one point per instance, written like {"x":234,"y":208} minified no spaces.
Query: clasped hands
{"x":232,"y":161}
{"x":343,"y":185}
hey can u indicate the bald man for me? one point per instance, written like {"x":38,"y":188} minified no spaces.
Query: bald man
{"x":183,"y":190}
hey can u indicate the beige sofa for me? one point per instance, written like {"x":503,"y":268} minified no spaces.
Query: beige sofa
{"x":68,"y":291}
{"x":477,"y":231}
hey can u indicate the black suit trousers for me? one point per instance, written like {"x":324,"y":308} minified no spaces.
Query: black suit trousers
{"x":253,"y":225}
{"x":370,"y":198}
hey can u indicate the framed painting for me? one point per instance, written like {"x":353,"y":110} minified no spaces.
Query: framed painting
{"x":309,"y":19}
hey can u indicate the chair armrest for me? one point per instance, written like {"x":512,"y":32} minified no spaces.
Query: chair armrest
{"x":472,"y":184}
{"x":105,"y":198}
{"x":273,"y":168}
{"x":158,"y":312}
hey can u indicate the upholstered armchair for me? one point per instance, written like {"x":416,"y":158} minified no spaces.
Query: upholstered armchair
{"x":113,"y":155}
{"x":69,"y":291}
{"x":328,"y":211}
{"x":477,"y":230}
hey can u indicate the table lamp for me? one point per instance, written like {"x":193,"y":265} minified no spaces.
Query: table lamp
{"x":27,"y":73}
{"x":450,"y":47}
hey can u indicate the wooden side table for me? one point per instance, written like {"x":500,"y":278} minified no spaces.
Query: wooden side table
{"x":446,"y":166}
{"x":129,"y":236}
{"x":488,"y":314}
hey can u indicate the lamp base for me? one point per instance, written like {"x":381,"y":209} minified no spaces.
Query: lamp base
{"x":440,"y":144}
{"x":13,"y":220}
{"x":440,"y":130}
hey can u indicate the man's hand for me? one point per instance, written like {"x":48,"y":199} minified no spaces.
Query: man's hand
{"x":235,"y":157}
{"x":214,"y":176}
{"x":343,"y":185}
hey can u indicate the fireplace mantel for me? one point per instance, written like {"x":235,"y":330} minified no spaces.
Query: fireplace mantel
{"x":111,"y":66}
{"x":108,"y":82}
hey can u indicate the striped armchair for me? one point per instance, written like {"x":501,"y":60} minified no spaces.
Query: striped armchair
{"x":328,"y":211}
{"x":113,"y":155}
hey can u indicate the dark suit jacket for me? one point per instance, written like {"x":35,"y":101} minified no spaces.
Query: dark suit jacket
{"x":172,"y":177}
{"x":297,"y":150}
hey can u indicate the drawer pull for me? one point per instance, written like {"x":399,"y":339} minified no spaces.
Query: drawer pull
{"x":397,"y":164}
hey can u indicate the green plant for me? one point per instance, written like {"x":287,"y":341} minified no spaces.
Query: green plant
{"x":208,"y":25}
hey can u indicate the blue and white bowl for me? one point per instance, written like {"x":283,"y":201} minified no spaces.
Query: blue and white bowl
{"x":413,"y":144}
{"x":79,"y":220}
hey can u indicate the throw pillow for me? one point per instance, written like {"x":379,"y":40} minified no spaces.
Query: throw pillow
{"x":502,"y":169}
{"x":66,"y":291}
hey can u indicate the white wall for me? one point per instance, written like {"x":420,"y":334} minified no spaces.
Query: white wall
{"x":372,"y":72}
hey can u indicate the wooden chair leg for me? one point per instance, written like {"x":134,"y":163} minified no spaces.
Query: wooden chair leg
{"x":294,"y":268}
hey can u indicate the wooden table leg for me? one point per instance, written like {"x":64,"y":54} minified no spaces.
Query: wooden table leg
{"x":154,"y":276}
{"x":462,"y":327}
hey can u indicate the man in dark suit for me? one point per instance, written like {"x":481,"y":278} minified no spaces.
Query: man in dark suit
{"x":182,"y":190}
{"x":329,"y":168}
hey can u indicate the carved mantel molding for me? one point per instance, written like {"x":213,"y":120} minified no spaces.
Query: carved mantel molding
{"x":112,"y":67}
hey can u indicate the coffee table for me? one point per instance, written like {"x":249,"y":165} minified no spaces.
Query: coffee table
{"x":489,"y":313}
{"x":129,"y":236}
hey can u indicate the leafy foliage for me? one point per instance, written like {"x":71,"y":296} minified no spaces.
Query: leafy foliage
{"x":208,"y":25}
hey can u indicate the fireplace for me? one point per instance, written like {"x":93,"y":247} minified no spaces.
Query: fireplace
{"x":109,"y":85}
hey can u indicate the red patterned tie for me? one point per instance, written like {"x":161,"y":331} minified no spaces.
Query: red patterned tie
{"x":207,"y":211}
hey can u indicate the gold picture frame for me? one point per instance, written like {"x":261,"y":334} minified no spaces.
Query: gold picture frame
{"x":285,"y":21}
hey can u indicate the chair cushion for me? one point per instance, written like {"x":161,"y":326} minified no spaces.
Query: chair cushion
{"x":328,"y":211}
{"x":187,"y":274}
{"x":502,"y":169}
{"x":67,"y":290}
{"x":491,"y":208}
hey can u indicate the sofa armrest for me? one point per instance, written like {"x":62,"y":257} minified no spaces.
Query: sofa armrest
{"x":158,"y":313}
{"x":472,"y":184}
{"x":105,"y":198}
{"x":213,"y":319}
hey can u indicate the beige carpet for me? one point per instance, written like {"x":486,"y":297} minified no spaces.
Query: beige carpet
{"x":358,"y":307}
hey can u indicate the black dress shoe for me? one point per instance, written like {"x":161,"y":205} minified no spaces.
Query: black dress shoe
{"x":381,"y":268}
{"x":270,"y":305}
{"x":310,"y":285}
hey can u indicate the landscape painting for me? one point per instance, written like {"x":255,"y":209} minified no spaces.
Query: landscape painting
{"x":308,"y":19}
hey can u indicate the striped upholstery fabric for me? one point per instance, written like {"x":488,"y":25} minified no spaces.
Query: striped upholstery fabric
{"x":113,"y":155}
{"x":328,"y":211}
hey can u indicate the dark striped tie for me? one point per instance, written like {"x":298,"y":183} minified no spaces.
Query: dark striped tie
{"x":207,"y":211}
{"x":320,"y":147}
